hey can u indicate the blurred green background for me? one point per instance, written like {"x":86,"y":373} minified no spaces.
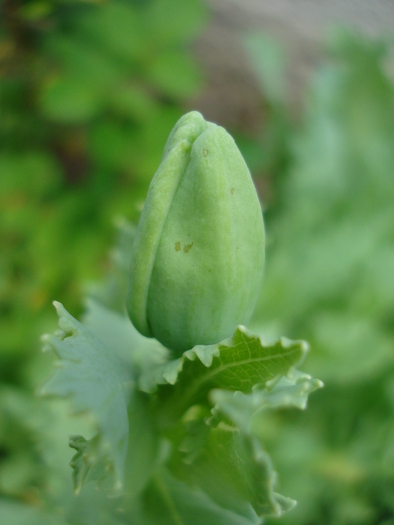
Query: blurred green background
{"x":89,"y":91}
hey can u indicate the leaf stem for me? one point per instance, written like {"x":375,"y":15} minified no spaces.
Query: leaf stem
{"x":162,"y":488}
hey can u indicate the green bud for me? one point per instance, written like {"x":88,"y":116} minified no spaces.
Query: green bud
{"x":198,"y":256}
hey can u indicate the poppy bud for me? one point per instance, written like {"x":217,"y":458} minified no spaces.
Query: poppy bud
{"x":198,"y":256}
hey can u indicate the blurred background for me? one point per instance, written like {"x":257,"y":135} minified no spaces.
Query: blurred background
{"x":89,"y":91}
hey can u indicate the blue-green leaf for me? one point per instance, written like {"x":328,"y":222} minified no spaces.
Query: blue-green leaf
{"x":96,"y":379}
{"x":290,"y":391}
{"x":168,"y":501}
{"x":233,"y":469}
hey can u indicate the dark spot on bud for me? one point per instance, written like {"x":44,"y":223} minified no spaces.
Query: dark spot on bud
{"x":177,"y":246}
{"x":205,"y":152}
{"x":232,"y":191}
{"x":187,"y":247}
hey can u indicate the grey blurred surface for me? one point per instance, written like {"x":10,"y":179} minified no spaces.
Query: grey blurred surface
{"x":299,"y":25}
{"x":311,"y":17}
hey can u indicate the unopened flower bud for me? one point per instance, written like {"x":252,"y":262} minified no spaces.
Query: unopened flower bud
{"x":198,"y":256}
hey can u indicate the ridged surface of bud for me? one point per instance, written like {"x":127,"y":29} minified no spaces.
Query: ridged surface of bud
{"x":198,"y":256}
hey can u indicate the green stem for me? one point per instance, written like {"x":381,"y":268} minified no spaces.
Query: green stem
{"x":163,"y":490}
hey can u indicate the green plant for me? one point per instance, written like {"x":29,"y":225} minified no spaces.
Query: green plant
{"x":198,"y":256}
{"x":88,"y":93}
{"x":176,"y":436}
{"x":328,"y":278}
{"x":329,"y":275}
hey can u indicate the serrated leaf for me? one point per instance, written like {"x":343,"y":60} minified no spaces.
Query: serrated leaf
{"x":235,"y":472}
{"x":287,"y":391}
{"x":238,"y":363}
{"x":89,"y":462}
{"x":228,"y":461}
{"x":97,"y":381}
{"x":116,"y":331}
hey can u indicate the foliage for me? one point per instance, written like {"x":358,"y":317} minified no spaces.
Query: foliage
{"x":177,"y":432}
{"x":88,"y":94}
{"x":69,"y":163}
{"x":198,"y":456}
{"x":329,"y":276}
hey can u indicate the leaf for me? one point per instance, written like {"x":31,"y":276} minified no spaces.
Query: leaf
{"x":134,"y":102}
{"x":228,"y":461}
{"x":269,"y":63}
{"x":145,"y":450}
{"x":114,"y":27}
{"x":112,"y":292}
{"x":89,"y":462}
{"x":145,"y":155}
{"x":96,"y":380}
{"x":290,"y":391}
{"x":70,"y":100}
{"x":235,"y":472}
{"x":329,"y":277}
{"x":21,"y":423}
{"x":80,"y":59}
{"x":15,"y":513}
{"x":175,"y":74}
{"x":171,"y":502}
{"x":35,"y":173}
{"x":109,"y":142}
{"x":226,"y":458}
{"x":238,"y":363}
{"x":35,"y":11}
{"x":169,"y":23}
{"x":116,"y":331}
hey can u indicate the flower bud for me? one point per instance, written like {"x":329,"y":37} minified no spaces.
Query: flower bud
{"x":198,"y":256}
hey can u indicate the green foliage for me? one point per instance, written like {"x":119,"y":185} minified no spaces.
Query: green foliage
{"x":198,"y":440}
{"x":84,"y":113}
{"x":269,"y":154}
{"x":85,"y":365}
{"x":88,"y":94}
{"x":329,"y":276}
